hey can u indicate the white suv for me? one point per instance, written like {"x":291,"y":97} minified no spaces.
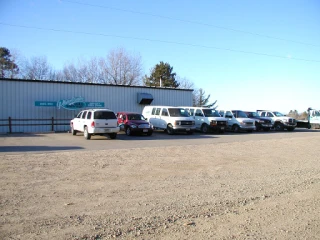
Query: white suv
{"x":95,"y":122}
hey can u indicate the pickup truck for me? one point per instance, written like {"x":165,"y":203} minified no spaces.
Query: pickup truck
{"x":279,"y":120}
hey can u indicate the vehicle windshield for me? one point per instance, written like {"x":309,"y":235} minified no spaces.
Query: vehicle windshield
{"x":135,"y":117}
{"x":104,"y":115}
{"x":210,"y":113}
{"x":178,"y":112}
{"x":252,"y":114}
{"x":242,"y":114}
{"x":278,"y":114}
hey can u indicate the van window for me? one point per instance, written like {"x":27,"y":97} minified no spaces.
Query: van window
{"x":191,"y":112}
{"x":229,"y":114}
{"x":157,"y":111}
{"x":164,"y":112}
{"x":210,"y":113}
{"x":199,"y":113}
{"x":89,"y":115}
{"x":153,"y":111}
{"x":178,"y":112}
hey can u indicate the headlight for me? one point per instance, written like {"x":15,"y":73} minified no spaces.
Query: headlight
{"x":260,"y":121}
{"x":177,"y":123}
{"x":133,"y":126}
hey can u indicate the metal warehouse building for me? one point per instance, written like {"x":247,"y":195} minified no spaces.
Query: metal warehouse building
{"x":44,"y":106}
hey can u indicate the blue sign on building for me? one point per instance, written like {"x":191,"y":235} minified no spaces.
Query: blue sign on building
{"x":71,"y":104}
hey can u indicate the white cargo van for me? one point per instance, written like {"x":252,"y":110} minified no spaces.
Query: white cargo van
{"x":207,"y":119}
{"x":170,"y":119}
{"x":238,"y":121}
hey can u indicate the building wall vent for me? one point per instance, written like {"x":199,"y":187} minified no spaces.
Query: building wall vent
{"x":145,"y":98}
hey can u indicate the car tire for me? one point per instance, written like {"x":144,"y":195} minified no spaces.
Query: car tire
{"x":128,"y":131}
{"x":74,"y":132}
{"x":258,"y":128}
{"x":235,"y":128}
{"x":278,"y":127}
{"x":170,"y":129}
{"x":86,"y":134}
{"x":113,"y":135}
{"x":204,"y":128}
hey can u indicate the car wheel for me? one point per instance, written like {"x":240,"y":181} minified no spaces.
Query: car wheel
{"x":258,"y":128}
{"x":86,"y":134}
{"x":235,"y":128}
{"x":169,"y":129}
{"x":204,"y":128}
{"x":278,"y":127}
{"x":128,"y":131}
{"x":74,"y":132}
{"x":266,"y":129}
{"x":113,"y":135}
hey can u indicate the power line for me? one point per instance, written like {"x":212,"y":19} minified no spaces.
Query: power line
{"x":161,"y":41}
{"x":189,"y":21}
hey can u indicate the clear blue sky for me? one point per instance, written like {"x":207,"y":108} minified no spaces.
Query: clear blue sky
{"x":192,"y":36}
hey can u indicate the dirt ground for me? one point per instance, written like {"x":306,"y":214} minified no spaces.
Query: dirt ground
{"x":266,"y":189}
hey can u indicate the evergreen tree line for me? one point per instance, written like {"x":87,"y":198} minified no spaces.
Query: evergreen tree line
{"x":119,"y":67}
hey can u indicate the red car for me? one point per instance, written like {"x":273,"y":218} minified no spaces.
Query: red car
{"x":132,"y":123}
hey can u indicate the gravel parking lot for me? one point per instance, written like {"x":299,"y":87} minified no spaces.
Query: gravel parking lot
{"x":231,"y":186}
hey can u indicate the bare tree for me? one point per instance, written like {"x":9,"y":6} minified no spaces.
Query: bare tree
{"x":121,"y":67}
{"x":69,"y":73}
{"x":201,"y":100}
{"x":185,"y":83}
{"x":36,"y":68}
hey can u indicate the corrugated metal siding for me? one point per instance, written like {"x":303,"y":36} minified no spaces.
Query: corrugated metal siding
{"x":19,"y":96}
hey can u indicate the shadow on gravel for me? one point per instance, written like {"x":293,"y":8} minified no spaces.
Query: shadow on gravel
{"x":35,"y":148}
{"x":161,"y":135}
{"x":25,"y":135}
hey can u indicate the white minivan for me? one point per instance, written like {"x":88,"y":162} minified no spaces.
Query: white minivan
{"x":170,"y":119}
{"x":207,"y":119}
{"x":238,"y":121}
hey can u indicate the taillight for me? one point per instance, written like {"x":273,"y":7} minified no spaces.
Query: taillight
{"x":92,"y":124}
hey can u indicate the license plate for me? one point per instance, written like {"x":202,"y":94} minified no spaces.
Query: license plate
{"x":145,"y":130}
{"x":106,"y":130}
{"x":188,"y":129}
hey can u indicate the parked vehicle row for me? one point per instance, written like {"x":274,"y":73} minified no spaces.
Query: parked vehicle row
{"x":176,"y":119}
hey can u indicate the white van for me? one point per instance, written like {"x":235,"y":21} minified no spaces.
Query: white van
{"x":238,"y":120}
{"x":170,"y":119}
{"x":207,"y":119}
